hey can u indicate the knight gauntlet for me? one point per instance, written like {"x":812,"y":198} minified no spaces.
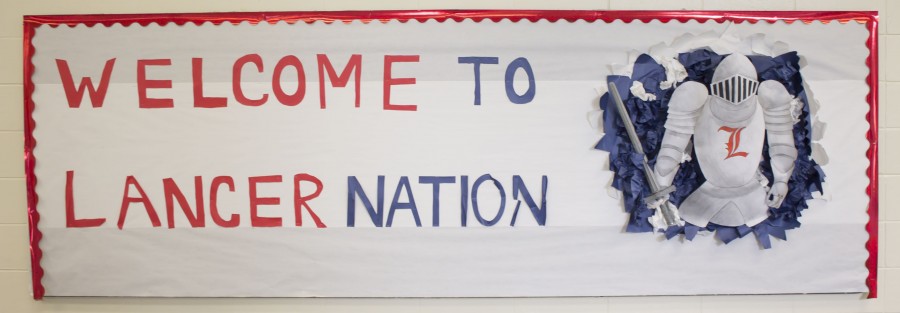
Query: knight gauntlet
{"x":776,"y":103}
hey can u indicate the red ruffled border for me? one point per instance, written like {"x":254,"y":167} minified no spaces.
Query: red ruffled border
{"x":34,"y":234}
{"x":454,"y":15}
{"x":872,"y":154}
{"x":869,"y":18}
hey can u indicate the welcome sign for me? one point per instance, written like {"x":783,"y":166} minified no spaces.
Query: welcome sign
{"x":452,"y":154}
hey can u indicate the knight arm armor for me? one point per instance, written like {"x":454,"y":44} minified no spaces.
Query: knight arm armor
{"x":776,"y":103}
{"x":684,"y":109}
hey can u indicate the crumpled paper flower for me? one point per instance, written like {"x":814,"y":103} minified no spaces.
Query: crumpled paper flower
{"x":637,"y":89}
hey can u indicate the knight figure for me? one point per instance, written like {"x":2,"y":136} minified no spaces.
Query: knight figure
{"x":729,"y":123}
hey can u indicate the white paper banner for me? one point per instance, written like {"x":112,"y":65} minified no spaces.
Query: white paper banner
{"x":438,"y":159}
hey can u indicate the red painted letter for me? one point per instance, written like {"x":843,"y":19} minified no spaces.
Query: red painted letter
{"x":143,"y":84}
{"x":74,"y":96}
{"x":286,"y":99}
{"x":353,"y":65}
{"x":255,"y":202}
{"x":236,"y":80}
{"x":171,"y":191}
{"x":734,"y":142}
{"x":213,"y":198}
{"x":71,"y":221}
{"x":199,"y":100}
{"x":390,"y":81}
{"x":126,"y":202}
{"x":300,"y":200}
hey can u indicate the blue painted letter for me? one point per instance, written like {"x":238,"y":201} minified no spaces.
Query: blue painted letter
{"x":475,"y":186}
{"x":436,"y":182}
{"x":353,"y":190}
{"x":478,"y":61}
{"x":510,"y":75}
{"x":540,"y":213}
{"x":395,"y":205}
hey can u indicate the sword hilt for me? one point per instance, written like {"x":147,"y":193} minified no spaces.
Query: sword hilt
{"x":668,"y":214}
{"x":665,"y":208}
{"x":656,"y":196}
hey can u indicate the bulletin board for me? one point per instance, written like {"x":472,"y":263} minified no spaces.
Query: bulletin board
{"x":452,"y":153}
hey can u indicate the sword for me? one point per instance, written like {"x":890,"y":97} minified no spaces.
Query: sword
{"x":665,"y":208}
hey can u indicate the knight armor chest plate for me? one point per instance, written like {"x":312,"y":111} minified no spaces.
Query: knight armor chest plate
{"x":729,"y":152}
{"x":728,"y":122}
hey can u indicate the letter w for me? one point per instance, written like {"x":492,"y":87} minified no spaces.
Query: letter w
{"x":74,"y":96}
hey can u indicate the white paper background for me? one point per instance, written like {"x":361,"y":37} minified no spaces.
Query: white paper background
{"x":582,"y":251}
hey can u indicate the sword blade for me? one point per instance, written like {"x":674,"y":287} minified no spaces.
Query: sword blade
{"x":626,"y":119}
{"x":666,"y":208}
